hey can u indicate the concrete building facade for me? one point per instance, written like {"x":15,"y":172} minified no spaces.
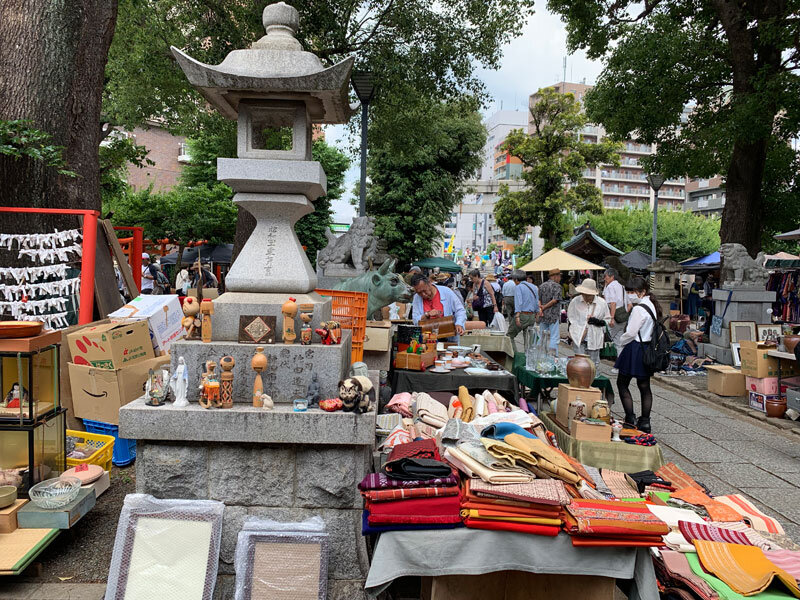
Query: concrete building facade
{"x":705,"y":196}
{"x":168,"y":152}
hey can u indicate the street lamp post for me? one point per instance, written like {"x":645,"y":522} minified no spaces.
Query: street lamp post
{"x":364,"y":85}
{"x":656,"y":181}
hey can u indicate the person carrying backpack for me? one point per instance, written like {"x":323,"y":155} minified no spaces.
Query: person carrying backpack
{"x":639,"y":358}
{"x":161,"y":284}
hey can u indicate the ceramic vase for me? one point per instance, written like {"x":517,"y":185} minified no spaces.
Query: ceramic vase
{"x":790,"y":341}
{"x":580,"y":371}
{"x":775,"y":408}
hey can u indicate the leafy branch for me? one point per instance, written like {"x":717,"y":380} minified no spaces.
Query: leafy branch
{"x":18,"y":139}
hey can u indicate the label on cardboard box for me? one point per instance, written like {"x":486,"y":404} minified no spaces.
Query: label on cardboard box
{"x":759,"y":401}
{"x":111,"y":345}
{"x":163,"y":313}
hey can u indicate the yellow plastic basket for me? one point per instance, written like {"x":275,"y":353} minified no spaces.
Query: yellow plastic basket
{"x":102,"y":456}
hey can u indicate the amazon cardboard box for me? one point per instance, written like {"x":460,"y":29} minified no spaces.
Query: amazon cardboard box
{"x":163,"y":314}
{"x":98,"y":393}
{"x":111,"y":345}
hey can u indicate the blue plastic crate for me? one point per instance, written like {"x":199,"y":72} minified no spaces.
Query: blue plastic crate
{"x":124,"y":450}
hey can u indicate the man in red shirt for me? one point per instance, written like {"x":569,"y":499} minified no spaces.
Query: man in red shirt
{"x":432,"y":301}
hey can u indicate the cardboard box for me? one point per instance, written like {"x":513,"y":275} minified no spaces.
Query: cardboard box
{"x":756,"y":363}
{"x":414,"y":362}
{"x":163,"y":313}
{"x":379,"y":336}
{"x":590,"y":431}
{"x":769,"y":385}
{"x":97,"y":394}
{"x":724,"y":380}
{"x":111,"y":345}
{"x":567,"y":393}
{"x":759,"y":401}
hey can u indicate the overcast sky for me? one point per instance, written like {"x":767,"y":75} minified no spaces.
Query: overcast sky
{"x":531,"y":61}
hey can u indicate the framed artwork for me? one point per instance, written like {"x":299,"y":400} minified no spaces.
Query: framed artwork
{"x":768,"y":333}
{"x":743,"y":331}
{"x":168,"y":550}
{"x":288,"y":565}
{"x":255,"y":329}
{"x":736,"y":351}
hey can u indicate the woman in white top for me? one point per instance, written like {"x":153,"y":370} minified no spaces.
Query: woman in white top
{"x":639,"y":330}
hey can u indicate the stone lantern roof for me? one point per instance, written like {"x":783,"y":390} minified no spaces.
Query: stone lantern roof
{"x":274,"y":68}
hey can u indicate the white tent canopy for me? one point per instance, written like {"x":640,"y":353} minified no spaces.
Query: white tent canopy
{"x":558,"y":259}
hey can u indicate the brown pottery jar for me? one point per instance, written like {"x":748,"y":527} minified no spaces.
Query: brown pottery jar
{"x":580,"y":371}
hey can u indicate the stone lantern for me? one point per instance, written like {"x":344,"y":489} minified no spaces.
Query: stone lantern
{"x":665,"y":273}
{"x":276,"y":91}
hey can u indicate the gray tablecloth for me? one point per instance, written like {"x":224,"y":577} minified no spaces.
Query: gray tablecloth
{"x":476,"y":552}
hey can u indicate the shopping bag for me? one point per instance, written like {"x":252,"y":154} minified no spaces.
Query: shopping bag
{"x":499,"y":323}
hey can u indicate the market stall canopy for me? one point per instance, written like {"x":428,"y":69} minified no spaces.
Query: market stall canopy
{"x":789,"y":235}
{"x":558,"y":259}
{"x":636,"y":260}
{"x":782,"y":260}
{"x":703,"y":263}
{"x":587,"y":244}
{"x":218,"y":254}
{"x":436,"y":261}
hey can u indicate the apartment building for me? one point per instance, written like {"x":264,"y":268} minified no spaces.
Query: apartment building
{"x":705,"y":196}
{"x":505,"y":165}
{"x":626,"y":185}
{"x":498,"y":126}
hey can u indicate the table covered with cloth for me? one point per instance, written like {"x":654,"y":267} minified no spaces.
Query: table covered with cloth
{"x":498,"y":347}
{"x":422,"y":381}
{"x":477,"y":552}
{"x":618,"y":456}
{"x":539,"y":384}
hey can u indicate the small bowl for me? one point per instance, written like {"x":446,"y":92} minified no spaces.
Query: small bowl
{"x":8,"y":495}
{"x":55,"y":493}
{"x":478,"y":363}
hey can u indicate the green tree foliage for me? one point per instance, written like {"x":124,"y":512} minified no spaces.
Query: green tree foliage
{"x":118,"y":155}
{"x":524,"y":252}
{"x":733,"y":63}
{"x":18,"y":139}
{"x":688,"y":235}
{"x":417,"y":178}
{"x":553,"y":155}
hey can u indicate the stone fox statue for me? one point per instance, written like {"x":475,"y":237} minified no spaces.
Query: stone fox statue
{"x":384,"y":286}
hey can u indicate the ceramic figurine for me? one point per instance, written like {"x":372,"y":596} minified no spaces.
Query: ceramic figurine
{"x":12,"y":398}
{"x":180,"y":383}
{"x":258,"y":363}
{"x":226,"y":363}
{"x":266,"y":402}
{"x":313,"y":393}
{"x":356,"y":394}
{"x":154,"y":388}
{"x":576,"y":412}
{"x":330,"y":333}
{"x":289,"y":312}
{"x":207,"y":308}
{"x":616,"y":428}
{"x":209,"y":386}
{"x":191,"y":322}
{"x":306,"y":314}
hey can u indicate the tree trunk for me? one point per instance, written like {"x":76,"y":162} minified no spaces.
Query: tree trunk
{"x":741,"y":218}
{"x":52,"y":67}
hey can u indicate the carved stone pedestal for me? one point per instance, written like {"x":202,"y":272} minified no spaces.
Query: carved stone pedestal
{"x":747,"y":304}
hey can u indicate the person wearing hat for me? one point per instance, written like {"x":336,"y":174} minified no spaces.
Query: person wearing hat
{"x":202,"y":275}
{"x":588,"y":316}
{"x":550,"y":294}
{"x":148,"y":274}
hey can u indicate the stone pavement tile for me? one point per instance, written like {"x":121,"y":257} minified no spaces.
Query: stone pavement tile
{"x":670,"y":455}
{"x":762,"y":456}
{"x":777,"y":500}
{"x":745,"y":475}
{"x":660,"y":424}
{"x":698,"y":449}
{"x":706,"y":411}
{"x":682,"y":398}
{"x":18,"y":591}
{"x":793,"y":478}
{"x":712,"y":429}
{"x":780,"y":443}
{"x":792,"y":530}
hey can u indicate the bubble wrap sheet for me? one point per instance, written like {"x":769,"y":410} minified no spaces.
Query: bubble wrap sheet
{"x":165,"y":549}
{"x":282,"y":561}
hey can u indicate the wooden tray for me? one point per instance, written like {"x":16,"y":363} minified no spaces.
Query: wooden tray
{"x":20,"y":329}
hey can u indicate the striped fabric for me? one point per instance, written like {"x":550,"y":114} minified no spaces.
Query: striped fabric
{"x":756,"y":539}
{"x":401,"y":493}
{"x":699,"y":531}
{"x":718,"y":511}
{"x":757,"y":519}
{"x":672,"y":473}
{"x":618,"y":484}
{"x":744,"y":568}
{"x":787,"y":560}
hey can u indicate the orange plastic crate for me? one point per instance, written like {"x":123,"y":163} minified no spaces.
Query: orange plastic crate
{"x":350,"y":310}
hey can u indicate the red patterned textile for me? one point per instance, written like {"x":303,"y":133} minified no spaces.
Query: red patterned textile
{"x":420,"y":510}
{"x":406,"y":493}
{"x":672,"y":473}
{"x":420,"y":449}
{"x":699,"y":531}
{"x":647,"y":542}
{"x":610,"y":518}
{"x":538,"y":491}
{"x":379,"y":481}
{"x":507,"y":526}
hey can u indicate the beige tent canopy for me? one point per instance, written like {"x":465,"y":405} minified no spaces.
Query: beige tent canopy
{"x":558,"y":259}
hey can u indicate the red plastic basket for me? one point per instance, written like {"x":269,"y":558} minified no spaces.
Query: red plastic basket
{"x":350,"y":310}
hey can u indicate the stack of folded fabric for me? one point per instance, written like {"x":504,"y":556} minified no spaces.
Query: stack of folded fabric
{"x":676,"y":577}
{"x":535,"y":507}
{"x":613,"y":523}
{"x":416,"y":490}
{"x":430,"y":411}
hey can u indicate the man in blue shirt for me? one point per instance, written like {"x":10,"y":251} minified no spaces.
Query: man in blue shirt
{"x":432,"y":301}
{"x":526,"y":306}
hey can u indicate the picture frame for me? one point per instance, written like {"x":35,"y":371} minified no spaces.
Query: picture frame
{"x":736,"y":351}
{"x":768,"y":332}
{"x":743,"y":331}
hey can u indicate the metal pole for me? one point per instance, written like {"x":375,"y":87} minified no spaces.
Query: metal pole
{"x":362,"y":199}
{"x":655,"y":227}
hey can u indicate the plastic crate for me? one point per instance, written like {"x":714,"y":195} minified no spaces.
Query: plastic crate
{"x":104,"y":445}
{"x":124,"y":450}
{"x":350,"y":310}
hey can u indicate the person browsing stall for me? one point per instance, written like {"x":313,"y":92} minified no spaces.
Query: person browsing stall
{"x":508,"y":297}
{"x":588,"y":315}
{"x":434,"y":301}
{"x":483,"y":299}
{"x":526,"y":306}
{"x":550,"y":294}
{"x":614,"y":295}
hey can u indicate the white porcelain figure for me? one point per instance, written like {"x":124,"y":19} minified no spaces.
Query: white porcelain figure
{"x":267,"y":402}
{"x":179,"y":382}
{"x":616,"y":428}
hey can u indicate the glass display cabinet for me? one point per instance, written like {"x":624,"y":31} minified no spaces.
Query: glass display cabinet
{"x":29,"y":378}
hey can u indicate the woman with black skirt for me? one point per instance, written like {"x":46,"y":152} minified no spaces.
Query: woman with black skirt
{"x":629,"y":363}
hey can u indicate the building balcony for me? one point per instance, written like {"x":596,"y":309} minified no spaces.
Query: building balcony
{"x":616,"y":175}
{"x":638,"y":148}
{"x":629,"y":192}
